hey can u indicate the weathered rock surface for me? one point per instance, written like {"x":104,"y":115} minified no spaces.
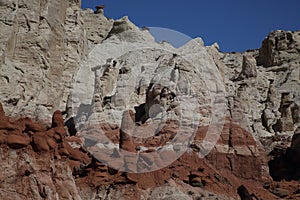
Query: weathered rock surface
{"x":236,"y":149}
{"x":278,"y":48}
{"x":34,"y":163}
{"x":44,"y":42}
{"x":49,"y":167}
{"x":285,"y":164}
{"x":263,"y":96}
{"x":53,"y":55}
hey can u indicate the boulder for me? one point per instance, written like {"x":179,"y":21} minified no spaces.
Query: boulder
{"x":40,"y":143}
{"x":57,"y":119}
{"x":17,"y":141}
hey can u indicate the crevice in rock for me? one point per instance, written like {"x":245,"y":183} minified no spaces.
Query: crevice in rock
{"x":19,"y":69}
{"x":6,"y":78}
{"x":28,"y":28}
{"x":230,"y":162}
{"x":230,"y":138}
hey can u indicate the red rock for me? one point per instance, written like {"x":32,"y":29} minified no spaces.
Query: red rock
{"x":76,"y":154}
{"x":149,"y":180}
{"x":2,"y":113}
{"x":27,"y":125}
{"x":34,"y":126}
{"x":127,"y":126}
{"x":221,"y":172}
{"x":51,"y":143}
{"x":99,"y":178}
{"x":113,"y":135}
{"x":43,"y":142}
{"x":50,"y":132}
{"x":20,"y":124}
{"x":5,"y":124}
{"x":63,"y":152}
{"x":197,"y":174}
{"x":57,"y":119}
{"x":101,"y":175}
{"x":80,"y":156}
{"x":17,"y":141}
{"x":236,"y":149}
{"x":57,"y":138}
{"x":56,"y":154}
{"x":40,"y":142}
{"x":74,"y":139}
{"x":74,"y":165}
{"x":3,"y":136}
{"x":61,"y":132}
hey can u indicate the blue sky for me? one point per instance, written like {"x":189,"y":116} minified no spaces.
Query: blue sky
{"x":236,"y":25}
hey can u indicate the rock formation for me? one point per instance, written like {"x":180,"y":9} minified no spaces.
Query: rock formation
{"x":285,"y":165}
{"x":264,"y":97}
{"x":47,"y":164}
{"x":248,"y":68}
{"x":55,"y":36}
{"x":94,"y":108}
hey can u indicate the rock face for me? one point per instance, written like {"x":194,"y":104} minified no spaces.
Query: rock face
{"x":262,"y":95}
{"x":45,"y":42}
{"x":28,"y":150}
{"x":236,"y":149}
{"x":44,"y":164}
{"x":285,"y":165}
{"x":278,"y":48}
{"x":133,"y":118}
{"x":248,"y":68}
